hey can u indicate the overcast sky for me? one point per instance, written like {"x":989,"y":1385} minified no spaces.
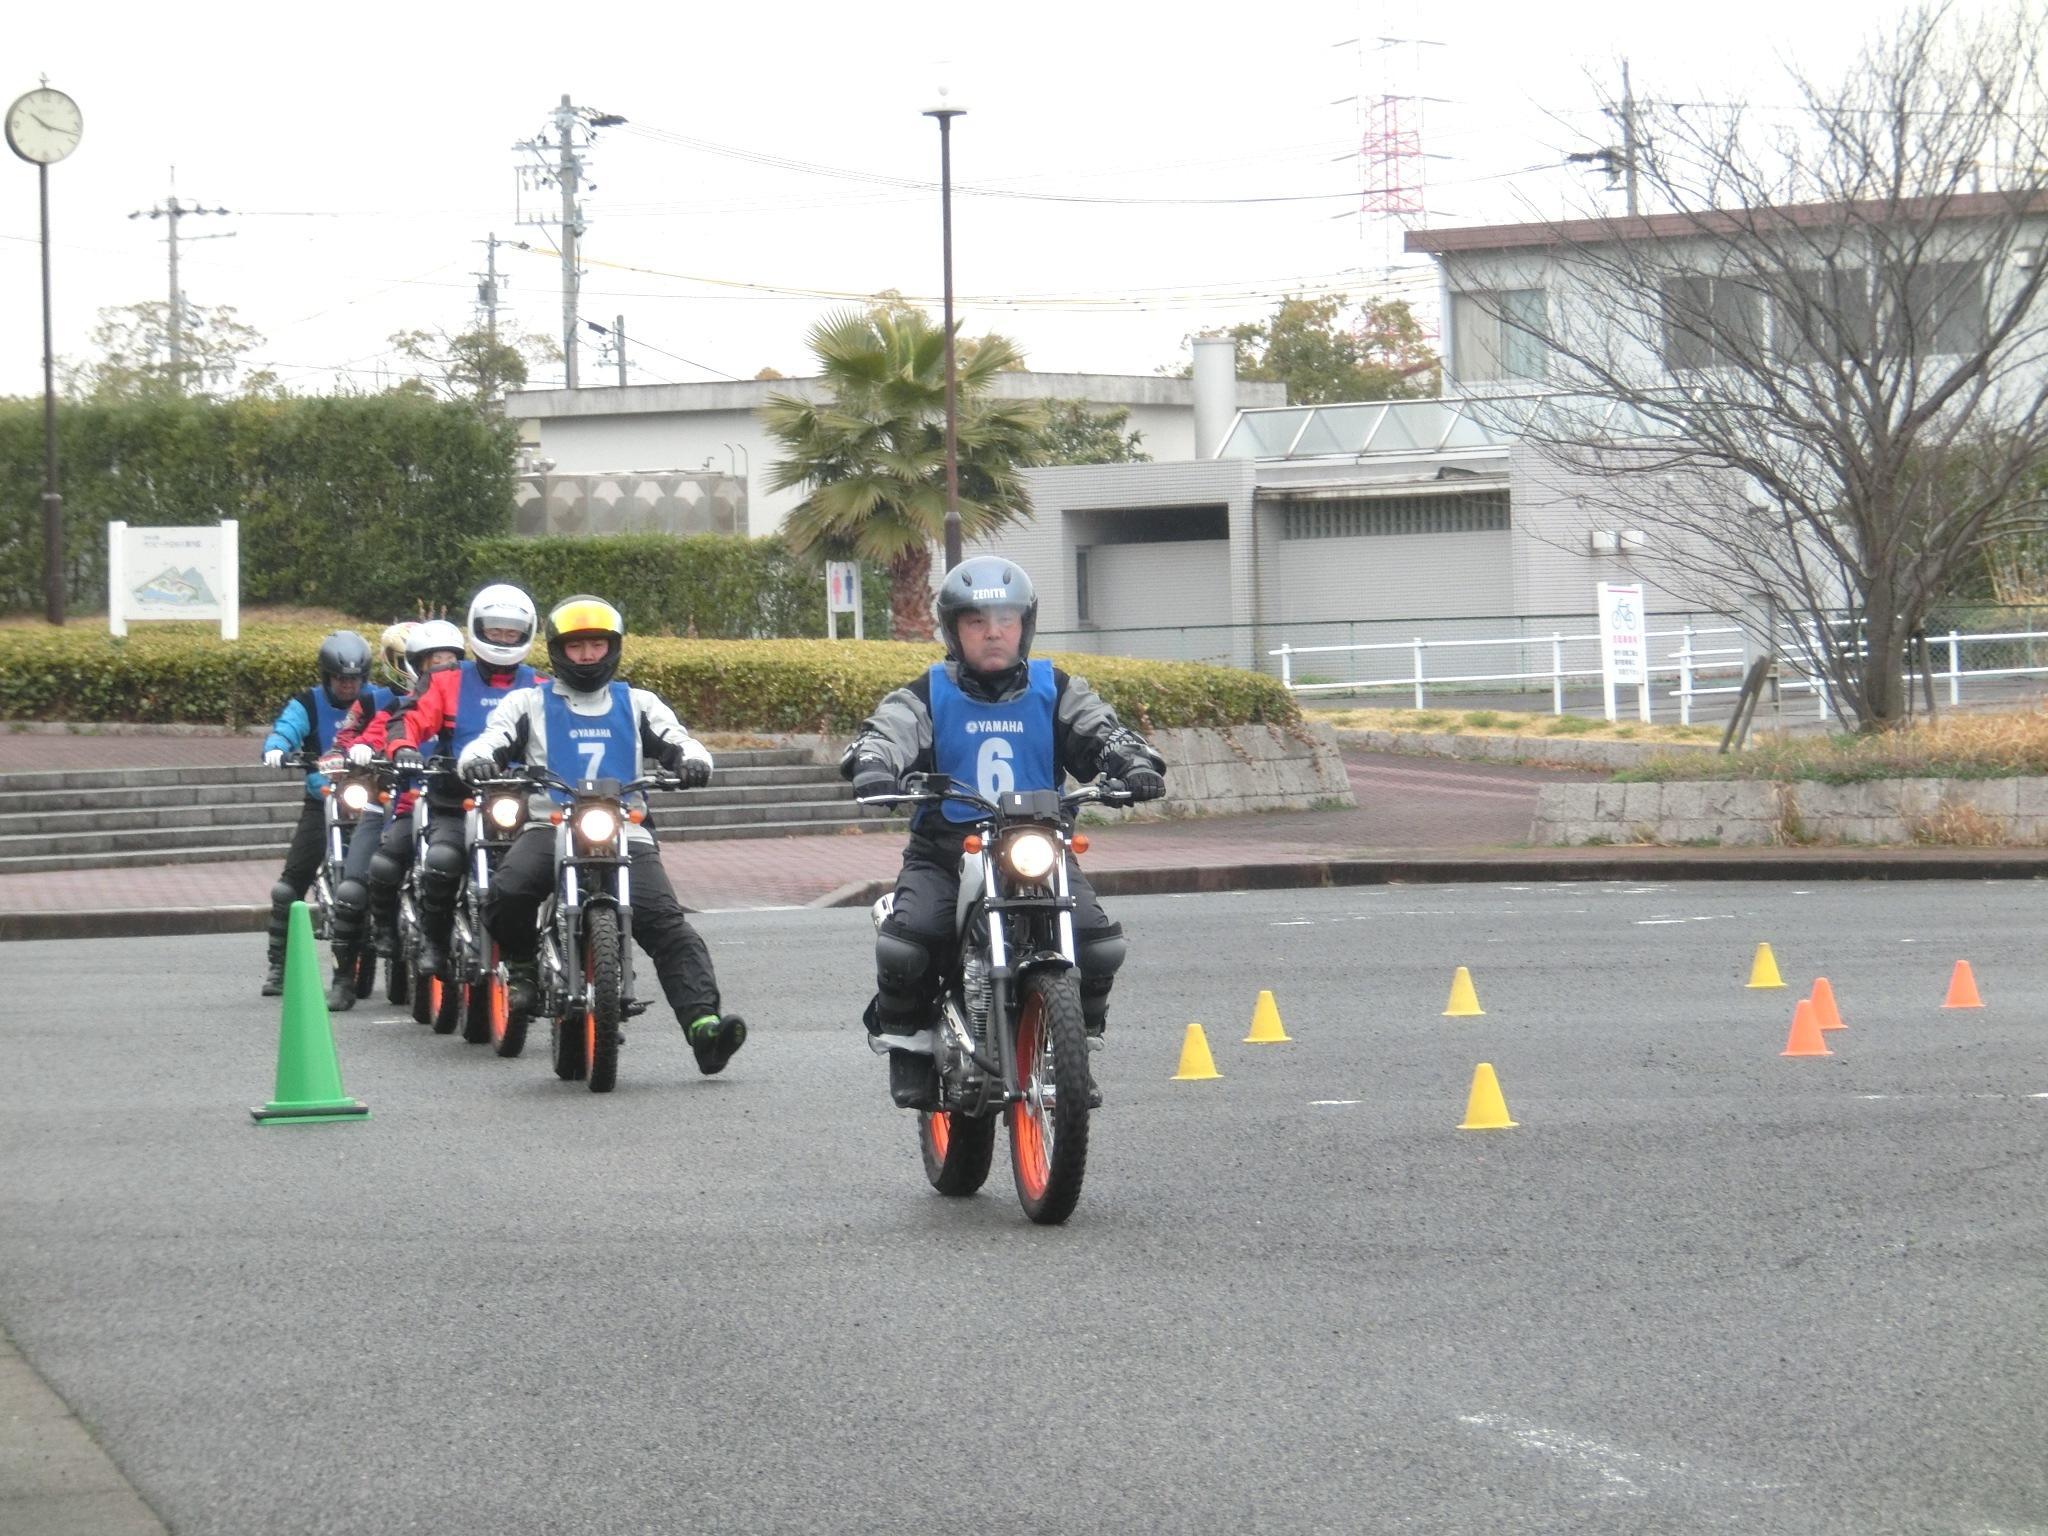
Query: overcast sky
{"x":365,"y":151}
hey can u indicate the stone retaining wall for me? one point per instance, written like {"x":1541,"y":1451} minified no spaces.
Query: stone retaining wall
{"x":1537,"y":751}
{"x":1217,"y":771}
{"x":1751,"y":812}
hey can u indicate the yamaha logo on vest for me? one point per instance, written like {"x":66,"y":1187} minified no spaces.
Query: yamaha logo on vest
{"x":973,"y":727}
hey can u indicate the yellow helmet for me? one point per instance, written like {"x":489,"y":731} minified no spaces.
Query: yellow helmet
{"x":585,"y":615}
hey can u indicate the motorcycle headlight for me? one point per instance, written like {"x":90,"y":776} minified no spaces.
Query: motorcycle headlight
{"x":1030,"y":855}
{"x":355,"y":794}
{"x":505,"y":811}
{"x":597,"y":824}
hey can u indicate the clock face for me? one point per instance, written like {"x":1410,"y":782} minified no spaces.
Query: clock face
{"x":44,"y":126}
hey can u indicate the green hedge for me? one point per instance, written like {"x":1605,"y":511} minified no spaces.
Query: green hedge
{"x":166,"y":673}
{"x":362,"y":503}
{"x":720,"y":586}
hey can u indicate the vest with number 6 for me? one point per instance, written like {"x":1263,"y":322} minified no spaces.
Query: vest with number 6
{"x":993,"y":748}
{"x":580,"y":747}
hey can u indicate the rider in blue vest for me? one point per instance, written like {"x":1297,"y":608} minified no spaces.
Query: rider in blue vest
{"x":307,"y":723}
{"x":992,"y":718}
{"x":445,"y":716}
{"x":584,"y":725}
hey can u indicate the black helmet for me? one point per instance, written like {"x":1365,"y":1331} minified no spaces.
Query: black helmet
{"x":986,"y":582}
{"x":343,"y":654}
{"x":585,"y":615}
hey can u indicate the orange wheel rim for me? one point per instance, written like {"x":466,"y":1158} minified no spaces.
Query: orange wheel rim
{"x":433,"y":994}
{"x":589,"y":1037}
{"x":939,"y":1126}
{"x":501,"y":1009}
{"x":1027,"y":1116}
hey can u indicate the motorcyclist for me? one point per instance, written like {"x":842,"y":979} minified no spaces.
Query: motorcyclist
{"x":307,"y":723}
{"x":447,"y":714}
{"x":359,"y":739}
{"x":993,"y":719}
{"x":586,"y":725}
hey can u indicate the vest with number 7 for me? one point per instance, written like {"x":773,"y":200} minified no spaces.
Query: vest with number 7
{"x":993,"y":748}
{"x":580,"y":747}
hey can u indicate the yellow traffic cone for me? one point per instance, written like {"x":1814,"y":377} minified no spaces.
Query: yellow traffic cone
{"x":1196,"y":1064}
{"x":1464,"y":1003}
{"x":1266,"y":1026}
{"x":1485,"y":1109}
{"x":1763,"y":971}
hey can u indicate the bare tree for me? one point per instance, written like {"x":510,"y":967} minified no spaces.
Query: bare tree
{"x":1820,"y":368}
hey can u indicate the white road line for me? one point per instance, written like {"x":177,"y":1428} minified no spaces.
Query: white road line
{"x":1316,"y":1103}
{"x":1294,"y":922}
{"x":1604,"y":1461}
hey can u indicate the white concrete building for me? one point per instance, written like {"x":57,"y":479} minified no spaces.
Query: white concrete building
{"x":661,"y":428}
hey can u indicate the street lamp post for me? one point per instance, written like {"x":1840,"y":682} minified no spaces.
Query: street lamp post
{"x":945,"y":112}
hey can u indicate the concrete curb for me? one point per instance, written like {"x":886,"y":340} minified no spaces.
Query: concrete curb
{"x":1450,"y":869}
{"x":1303,"y":874}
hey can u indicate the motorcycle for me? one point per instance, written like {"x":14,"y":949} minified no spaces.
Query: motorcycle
{"x":1010,"y":1038}
{"x":348,"y":792}
{"x":434,"y":1001}
{"x":494,"y":815}
{"x":586,"y":924}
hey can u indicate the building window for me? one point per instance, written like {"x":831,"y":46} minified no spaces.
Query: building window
{"x":1944,"y":310}
{"x":1709,"y":322}
{"x":1497,"y":335}
{"x":1358,"y":517}
{"x":1081,"y":613}
{"x":1826,"y":316}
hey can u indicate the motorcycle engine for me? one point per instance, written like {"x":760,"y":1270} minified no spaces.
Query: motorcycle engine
{"x":974,"y":988}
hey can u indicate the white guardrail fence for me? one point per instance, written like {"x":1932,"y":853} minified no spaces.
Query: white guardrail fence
{"x":1696,"y":670}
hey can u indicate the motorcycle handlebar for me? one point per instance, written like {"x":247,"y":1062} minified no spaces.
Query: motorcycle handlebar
{"x":1104,"y":791}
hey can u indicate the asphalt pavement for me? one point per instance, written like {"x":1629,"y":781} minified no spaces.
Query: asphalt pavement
{"x":1701,"y":1287}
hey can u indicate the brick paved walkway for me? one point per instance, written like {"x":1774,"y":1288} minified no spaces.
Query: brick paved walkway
{"x":1404,"y":804}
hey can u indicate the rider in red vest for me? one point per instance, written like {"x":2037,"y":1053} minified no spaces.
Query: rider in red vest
{"x":446,"y":716}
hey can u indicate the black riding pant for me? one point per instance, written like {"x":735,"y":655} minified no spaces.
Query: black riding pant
{"x":301,"y":864}
{"x":440,"y":880}
{"x":915,"y":949}
{"x":352,"y":899}
{"x":525,"y":878}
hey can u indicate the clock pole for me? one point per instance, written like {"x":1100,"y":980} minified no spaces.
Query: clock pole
{"x":53,"y":501}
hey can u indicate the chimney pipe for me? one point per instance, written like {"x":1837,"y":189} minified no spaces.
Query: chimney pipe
{"x":1215,"y":392}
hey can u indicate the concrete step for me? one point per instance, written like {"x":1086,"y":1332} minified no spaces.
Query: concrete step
{"x":237,"y":813}
{"x":684,"y":816}
{"x":870,"y":826}
{"x":158,"y":839}
{"x":748,"y":762}
{"x":283,"y":791}
{"x":30,"y":864}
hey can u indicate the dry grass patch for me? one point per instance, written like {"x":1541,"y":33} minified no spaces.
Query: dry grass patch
{"x":1507,"y":722}
{"x":1976,"y":746}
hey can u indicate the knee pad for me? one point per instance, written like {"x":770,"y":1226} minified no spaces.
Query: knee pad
{"x":386,"y":873}
{"x":1100,"y":953}
{"x":444,"y":863}
{"x":351,"y":899}
{"x":902,"y":962}
{"x":282,"y":896}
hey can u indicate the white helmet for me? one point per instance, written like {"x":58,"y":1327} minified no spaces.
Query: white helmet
{"x":431,"y":635}
{"x":392,"y":651}
{"x":505,"y":607}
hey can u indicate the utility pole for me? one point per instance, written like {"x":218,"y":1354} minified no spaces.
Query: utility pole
{"x":174,"y":321}
{"x":1618,"y":162}
{"x":487,"y":282}
{"x":573,"y":132}
{"x":1628,"y":138}
{"x":611,"y":345}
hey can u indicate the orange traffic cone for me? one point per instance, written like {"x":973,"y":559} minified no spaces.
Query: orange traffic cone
{"x":1805,"y":1038}
{"x":1824,"y":1005}
{"x":1962,"y":988}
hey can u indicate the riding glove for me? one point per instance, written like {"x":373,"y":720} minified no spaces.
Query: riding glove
{"x":1145,"y":783}
{"x":274,"y":758}
{"x":361,"y":753}
{"x":407,"y":760}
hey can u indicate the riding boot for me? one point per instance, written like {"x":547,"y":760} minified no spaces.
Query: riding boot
{"x":341,"y":987}
{"x":522,"y":987}
{"x":273,"y":979}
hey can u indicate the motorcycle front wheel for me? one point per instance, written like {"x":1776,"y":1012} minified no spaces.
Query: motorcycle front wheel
{"x":446,"y":1003}
{"x":483,"y":1002}
{"x":957,"y":1150}
{"x":1049,"y":1125}
{"x":603,"y":1010}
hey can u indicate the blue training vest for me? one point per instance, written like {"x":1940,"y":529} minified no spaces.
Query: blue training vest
{"x":326,"y":720}
{"x":993,"y":748}
{"x":580,"y":747}
{"x":476,"y":698}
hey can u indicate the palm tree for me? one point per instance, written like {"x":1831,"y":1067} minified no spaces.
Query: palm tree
{"x":873,"y":456}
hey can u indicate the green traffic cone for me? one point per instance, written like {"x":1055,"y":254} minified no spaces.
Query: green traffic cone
{"x":308,"y":1075}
